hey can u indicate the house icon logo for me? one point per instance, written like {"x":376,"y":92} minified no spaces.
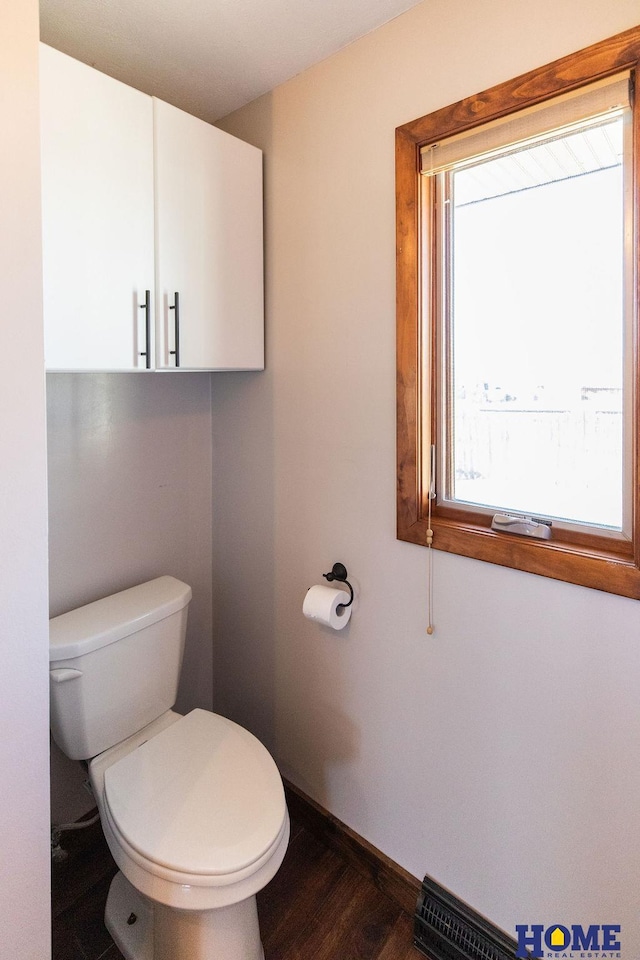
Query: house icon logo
{"x":559,"y":938}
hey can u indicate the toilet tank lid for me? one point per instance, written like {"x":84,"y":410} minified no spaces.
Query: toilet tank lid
{"x":97,"y":624}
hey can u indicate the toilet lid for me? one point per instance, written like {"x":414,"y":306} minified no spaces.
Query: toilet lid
{"x":203,"y":796}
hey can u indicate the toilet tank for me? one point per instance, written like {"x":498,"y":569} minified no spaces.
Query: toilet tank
{"x":114,"y":665}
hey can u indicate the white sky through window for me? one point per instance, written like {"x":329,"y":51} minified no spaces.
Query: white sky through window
{"x":537,"y":329}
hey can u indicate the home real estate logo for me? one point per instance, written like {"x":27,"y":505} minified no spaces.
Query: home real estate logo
{"x":597,"y":942}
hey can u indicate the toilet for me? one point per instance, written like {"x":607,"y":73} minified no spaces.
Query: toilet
{"x":192,"y":807}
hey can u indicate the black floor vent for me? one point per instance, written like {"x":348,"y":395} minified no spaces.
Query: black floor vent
{"x":447,"y":929}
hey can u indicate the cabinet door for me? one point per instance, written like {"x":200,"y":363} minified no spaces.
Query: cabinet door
{"x":97,"y":197}
{"x":208,"y":245}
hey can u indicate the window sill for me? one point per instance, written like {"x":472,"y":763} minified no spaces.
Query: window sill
{"x":600,"y":569}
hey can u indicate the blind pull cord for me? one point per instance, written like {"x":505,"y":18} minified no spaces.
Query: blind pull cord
{"x":432,"y":494}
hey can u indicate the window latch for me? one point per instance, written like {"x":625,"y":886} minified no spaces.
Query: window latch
{"x":522,"y":526}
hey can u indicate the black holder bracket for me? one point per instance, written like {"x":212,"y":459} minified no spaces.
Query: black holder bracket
{"x":339,"y":573}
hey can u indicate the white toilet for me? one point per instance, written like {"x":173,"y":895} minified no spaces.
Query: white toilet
{"x":192,"y":807}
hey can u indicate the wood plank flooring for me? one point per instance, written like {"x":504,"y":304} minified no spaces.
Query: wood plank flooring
{"x":317,"y":907}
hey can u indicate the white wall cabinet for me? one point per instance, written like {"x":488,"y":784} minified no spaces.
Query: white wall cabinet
{"x":139,"y":196}
{"x":208,"y":192}
{"x":97,"y":211}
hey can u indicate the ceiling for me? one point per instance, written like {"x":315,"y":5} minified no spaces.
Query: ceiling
{"x":208,"y":57}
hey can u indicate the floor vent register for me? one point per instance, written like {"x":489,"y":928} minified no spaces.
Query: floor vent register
{"x":447,"y":929}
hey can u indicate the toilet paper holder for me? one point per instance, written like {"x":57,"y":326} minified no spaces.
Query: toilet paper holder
{"x":339,"y":572}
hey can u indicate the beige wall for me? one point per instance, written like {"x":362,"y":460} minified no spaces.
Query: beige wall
{"x":499,"y":755}
{"x":24,"y":720}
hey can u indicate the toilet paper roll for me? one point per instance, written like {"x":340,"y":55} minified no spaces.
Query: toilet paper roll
{"x":326,"y":605}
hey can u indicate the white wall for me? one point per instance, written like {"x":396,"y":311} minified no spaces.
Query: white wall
{"x":500,"y":755}
{"x":24,"y":715}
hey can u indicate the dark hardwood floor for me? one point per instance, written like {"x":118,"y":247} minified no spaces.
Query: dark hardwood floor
{"x":317,"y":907}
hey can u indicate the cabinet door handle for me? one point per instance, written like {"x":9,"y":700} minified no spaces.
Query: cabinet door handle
{"x":146,"y":306}
{"x":175,"y":306}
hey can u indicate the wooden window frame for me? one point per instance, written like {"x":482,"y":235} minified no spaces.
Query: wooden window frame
{"x":609,"y":564}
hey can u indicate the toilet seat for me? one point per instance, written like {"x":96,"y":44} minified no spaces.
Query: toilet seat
{"x":200,"y":803}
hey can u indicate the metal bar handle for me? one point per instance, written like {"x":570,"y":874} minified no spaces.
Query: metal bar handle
{"x":146,"y":306}
{"x":176,"y":307}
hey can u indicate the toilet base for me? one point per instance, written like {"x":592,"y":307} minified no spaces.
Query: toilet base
{"x":132,"y":937}
{"x":164,"y":933}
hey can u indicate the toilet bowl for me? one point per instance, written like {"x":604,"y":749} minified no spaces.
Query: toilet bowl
{"x":194,"y":814}
{"x":192,"y":807}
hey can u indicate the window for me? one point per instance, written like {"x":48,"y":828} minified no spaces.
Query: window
{"x":517,"y":323}
{"x":528,"y":260}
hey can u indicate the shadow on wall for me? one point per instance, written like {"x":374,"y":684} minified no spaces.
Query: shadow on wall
{"x":314,"y":760}
{"x":244,"y":658}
